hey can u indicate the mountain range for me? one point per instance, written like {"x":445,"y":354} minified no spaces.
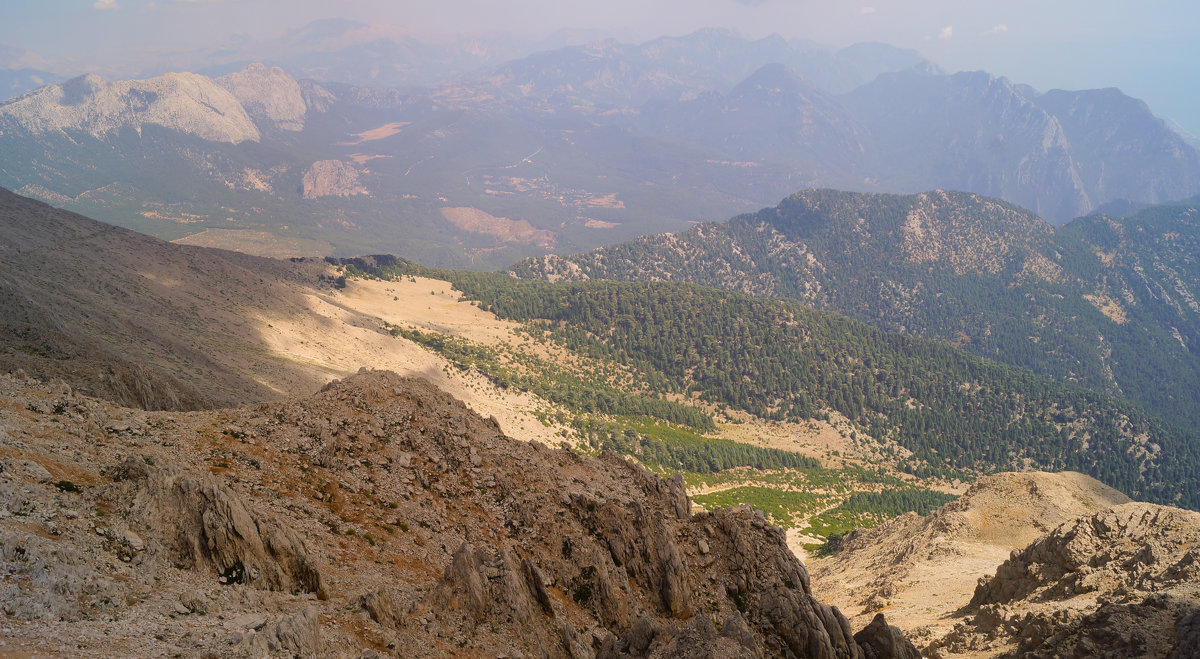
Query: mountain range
{"x":381,"y":514}
{"x":568,"y":149}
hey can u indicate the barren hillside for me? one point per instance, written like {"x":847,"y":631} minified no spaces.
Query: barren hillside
{"x":379,"y":516}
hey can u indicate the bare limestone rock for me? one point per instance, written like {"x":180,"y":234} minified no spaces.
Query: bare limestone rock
{"x":202,"y":521}
{"x":331,"y":178}
{"x":437,"y":536}
{"x":268,"y":94}
{"x":184,"y":102}
{"x":1117,"y":583}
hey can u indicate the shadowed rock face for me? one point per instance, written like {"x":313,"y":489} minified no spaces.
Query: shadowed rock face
{"x":380,"y":513}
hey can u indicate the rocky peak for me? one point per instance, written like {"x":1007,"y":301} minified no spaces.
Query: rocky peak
{"x":268,"y":94}
{"x":183,"y":102}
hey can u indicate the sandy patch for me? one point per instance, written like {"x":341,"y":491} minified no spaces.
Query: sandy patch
{"x":336,"y":338}
{"x":378,"y":133}
{"x":363,"y":158}
{"x":593,"y":223}
{"x":475,"y":220}
{"x":1109,"y":307}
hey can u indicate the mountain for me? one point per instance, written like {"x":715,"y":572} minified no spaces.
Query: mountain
{"x":185,"y":103}
{"x":1120,"y":149}
{"x":774,"y":115}
{"x":382,"y":514}
{"x":1102,"y":302}
{"x":1060,"y":154}
{"x":563,"y":150}
{"x":223,"y":161}
{"x":610,"y":74}
{"x":379,"y":512}
{"x":1116,"y":583}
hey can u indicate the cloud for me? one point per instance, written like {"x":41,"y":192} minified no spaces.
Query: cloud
{"x":999,"y":29}
{"x":751,"y":3}
{"x":946,"y":32}
{"x":106,"y":5}
{"x":866,"y":10}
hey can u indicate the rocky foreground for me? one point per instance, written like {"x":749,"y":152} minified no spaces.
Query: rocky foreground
{"x":378,"y":517}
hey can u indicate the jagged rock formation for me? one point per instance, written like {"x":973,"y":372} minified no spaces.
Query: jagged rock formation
{"x":268,"y":94}
{"x":331,"y":178}
{"x":183,"y":102}
{"x":1113,"y":584}
{"x":923,"y":568}
{"x":377,"y":514}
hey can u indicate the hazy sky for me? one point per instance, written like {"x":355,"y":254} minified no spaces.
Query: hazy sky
{"x":1148,"y":49}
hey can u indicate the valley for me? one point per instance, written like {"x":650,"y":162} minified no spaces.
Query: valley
{"x":343,"y":341}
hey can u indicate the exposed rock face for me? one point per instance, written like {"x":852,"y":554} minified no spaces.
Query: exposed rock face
{"x":205,"y":524}
{"x":268,"y":94}
{"x":184,"y":102}
{"x":921,"y":569}
{"x":1117,"y":583}
{"x":381,"y":515}
{"x":331,"y":178}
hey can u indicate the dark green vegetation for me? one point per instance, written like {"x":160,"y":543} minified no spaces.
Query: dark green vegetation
{"x":866,"y":509}
{"x":1109,"y":304}
{"x":787,"y":505}
{"x":958,"y":414}
{"x":661,"y":433}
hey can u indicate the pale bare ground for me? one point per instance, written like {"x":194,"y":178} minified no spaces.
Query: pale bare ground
{"x":363,"y":158}
{"x":429,"y":304}
{"x":378,"y":133}
{"x":816,"y":439}
{"x":258,"y":243}
{"x":336,"y":337}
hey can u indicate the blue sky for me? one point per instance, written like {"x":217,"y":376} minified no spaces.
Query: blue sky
{"x":1148,"y":49}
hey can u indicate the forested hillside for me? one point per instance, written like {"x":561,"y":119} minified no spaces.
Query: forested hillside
{"x":949,"y":412}
{"x":1109,"y":304}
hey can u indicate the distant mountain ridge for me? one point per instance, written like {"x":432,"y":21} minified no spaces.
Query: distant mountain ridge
{"x":1061,"y":154}
{"x":1105,"y":303}
{"x":584,"y":146}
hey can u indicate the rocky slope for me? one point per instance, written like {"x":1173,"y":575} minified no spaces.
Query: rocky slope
{"x":923,"y":568}
{"x":1030,"y":564}
{"x":1118,"y":583}
{"x":378,"y":517}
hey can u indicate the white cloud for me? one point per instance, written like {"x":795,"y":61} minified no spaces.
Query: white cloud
{"x":106,"y":4}
{"x":866,"y":10}
{"x":946,"y":32}
{"x":999,"y":29}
